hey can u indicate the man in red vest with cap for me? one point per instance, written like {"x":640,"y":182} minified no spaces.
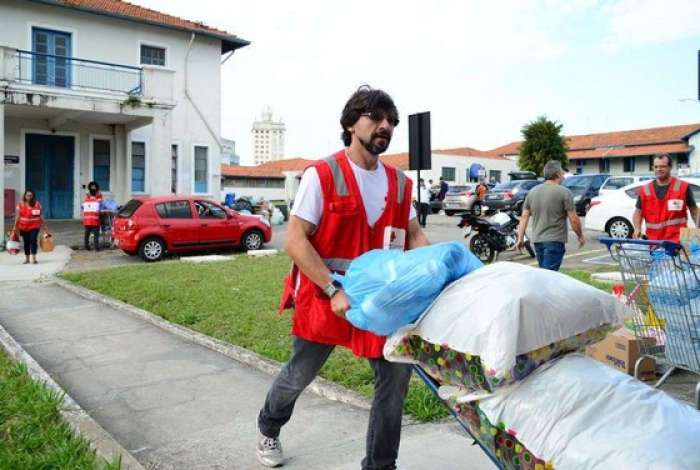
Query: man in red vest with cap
{"x":664,"y":203}
{"x":347,"y":204}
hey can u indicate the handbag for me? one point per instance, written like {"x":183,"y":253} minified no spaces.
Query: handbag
{"x":46,"y":242}
{"x":12,"y":246}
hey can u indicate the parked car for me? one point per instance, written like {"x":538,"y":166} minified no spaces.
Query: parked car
{"x":584,"y":188}
{"x":612,"y":212}
{"x":510,"y":196}
{"x":613,"y":183}
{"x":459,"y":198}
{"x":154,"y":226}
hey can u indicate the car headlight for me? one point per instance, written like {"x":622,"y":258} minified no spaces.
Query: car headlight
{"x":577,"y":198}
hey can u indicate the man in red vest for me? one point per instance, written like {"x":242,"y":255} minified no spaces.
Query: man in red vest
{"x":346,"y":205}
{"x":663,"y":204}
{"x":91,"y":214}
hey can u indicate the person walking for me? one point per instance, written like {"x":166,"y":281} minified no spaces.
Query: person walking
{"x":347,"y":204}
{"x":444,"y":187}
{"x":29,"y":221}
{"x":91,"y":215}
{"x":663,"y":204}
{"x":424,"y":206}
{"x":550,"y":205}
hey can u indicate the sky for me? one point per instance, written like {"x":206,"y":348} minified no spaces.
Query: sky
{"x":483,"y":69}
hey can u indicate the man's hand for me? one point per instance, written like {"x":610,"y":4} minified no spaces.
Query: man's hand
{"x":637,"y":233}
{"x":520,"y":244}
{"x":581,"y":241}
{"x":340,"y":304}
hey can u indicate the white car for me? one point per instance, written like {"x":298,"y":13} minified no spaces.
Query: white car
{"x":613,"y":212}
{"x":615,"y":183}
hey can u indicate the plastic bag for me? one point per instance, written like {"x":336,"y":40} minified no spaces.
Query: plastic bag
{"x":46,"y":242}
{"x":12,"y":246}
{"x":388,"y":289}
{"x":277,"y":217}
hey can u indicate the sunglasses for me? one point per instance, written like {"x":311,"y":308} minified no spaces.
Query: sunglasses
{"x":379,"y":116}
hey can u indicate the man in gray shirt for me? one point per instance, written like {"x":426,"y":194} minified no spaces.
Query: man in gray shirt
{"x":549,"y":205}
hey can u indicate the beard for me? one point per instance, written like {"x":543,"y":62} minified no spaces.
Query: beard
{"x":377,"y":144}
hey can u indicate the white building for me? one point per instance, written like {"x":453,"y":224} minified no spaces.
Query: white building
{"x":107,"y":91}
{"x":268,"y":139}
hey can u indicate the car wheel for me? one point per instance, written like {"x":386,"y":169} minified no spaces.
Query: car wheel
{"x":528,"y":247}
{"x":435,"y":210}
{"x":619,"y":227}
{"x":476,"y":209}
{"x":482,"y":249}
{"x":449,"y":213}
{"x":252,"y":240}
{"x":152,"y":249}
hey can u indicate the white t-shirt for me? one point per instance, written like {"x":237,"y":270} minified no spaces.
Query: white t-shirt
{"x":424,"y":195}
{"x":373,"y":184}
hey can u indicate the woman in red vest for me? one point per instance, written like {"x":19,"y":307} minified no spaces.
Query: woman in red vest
{"x":91,"y":214}
{"x":347,"y":204}
{"x":663,"y":204}
{"x":29,"y":220}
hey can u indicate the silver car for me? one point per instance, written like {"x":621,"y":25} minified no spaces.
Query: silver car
{"x":459,"y":198}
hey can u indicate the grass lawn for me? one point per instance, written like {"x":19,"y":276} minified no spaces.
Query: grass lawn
{"x":32,"y":432}
{"x":236,"y":301}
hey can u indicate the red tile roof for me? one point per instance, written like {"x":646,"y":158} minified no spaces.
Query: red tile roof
{"x":637,"y":142}
{"x":266,"y":170}
{"x":140,"y":14}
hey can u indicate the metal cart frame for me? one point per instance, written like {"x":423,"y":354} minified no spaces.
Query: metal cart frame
{"x":662,"y":285}
{"x":433,"y":386}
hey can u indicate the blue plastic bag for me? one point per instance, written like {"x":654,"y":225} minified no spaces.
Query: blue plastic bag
{"x":388,"y":289}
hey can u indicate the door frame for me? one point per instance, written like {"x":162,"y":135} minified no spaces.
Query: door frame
{"x":76,"y":162}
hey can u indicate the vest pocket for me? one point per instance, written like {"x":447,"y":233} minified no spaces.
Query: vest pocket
{"x":324,"y":323}
{"x":347,"y":207}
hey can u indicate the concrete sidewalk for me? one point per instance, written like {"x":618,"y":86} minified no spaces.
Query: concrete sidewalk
{"x":177,"y":405}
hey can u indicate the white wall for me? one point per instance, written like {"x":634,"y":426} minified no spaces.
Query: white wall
{"x":98,"y":37}
{"x":694,"y":158}
{"x":271,"y":194}
{"x":461,"y":166}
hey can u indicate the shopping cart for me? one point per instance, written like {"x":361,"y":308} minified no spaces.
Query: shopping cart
{"x":662,"y":285}
{"x":108,"y":210}
{"x":434,"y":386}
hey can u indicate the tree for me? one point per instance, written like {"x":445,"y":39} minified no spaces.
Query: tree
{"x":542,"y":142}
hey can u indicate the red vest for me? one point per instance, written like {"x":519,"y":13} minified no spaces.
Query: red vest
{"x":91,"y":210}
{"x":343,"y":234}
{"x":29,"y":217}
{"x":664,"y":218}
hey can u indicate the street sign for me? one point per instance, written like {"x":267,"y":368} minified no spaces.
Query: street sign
{"x":419,"y":141}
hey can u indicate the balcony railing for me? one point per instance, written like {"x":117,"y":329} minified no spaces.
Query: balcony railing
{"x":78,"y":74}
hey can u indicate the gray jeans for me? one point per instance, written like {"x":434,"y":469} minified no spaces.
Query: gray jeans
{"x":390,"y":386}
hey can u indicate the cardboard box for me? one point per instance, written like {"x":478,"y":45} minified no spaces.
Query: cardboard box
{"x":620,"y":350}
{"x":689,"y":235}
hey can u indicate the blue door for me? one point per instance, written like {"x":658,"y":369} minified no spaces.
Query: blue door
{"x":51,"y":63}
{"x":50,"y":173}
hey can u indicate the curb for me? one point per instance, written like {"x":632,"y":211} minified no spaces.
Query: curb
{"x":614,"y":276}
{"x":76,"y":417}
{"x":320,"y":386}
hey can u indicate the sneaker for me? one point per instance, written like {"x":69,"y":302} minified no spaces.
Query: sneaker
{"x":269,"y":451}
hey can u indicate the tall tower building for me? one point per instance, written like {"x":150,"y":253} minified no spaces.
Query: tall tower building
{"x":268,"y":139}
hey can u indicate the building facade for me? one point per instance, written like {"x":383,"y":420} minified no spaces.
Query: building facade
{"x":628,"y":152}
{"x":268,"y":139}
{"x":111,"y":92}
{"x":228,"y":153}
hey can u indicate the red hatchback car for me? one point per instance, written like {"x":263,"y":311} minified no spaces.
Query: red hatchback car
{"x":154,"y":226}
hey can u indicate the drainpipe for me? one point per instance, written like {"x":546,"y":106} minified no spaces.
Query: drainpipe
{"x":189,"y":97}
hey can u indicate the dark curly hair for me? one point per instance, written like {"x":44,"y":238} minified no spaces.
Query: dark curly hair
{"x":366,"y":100}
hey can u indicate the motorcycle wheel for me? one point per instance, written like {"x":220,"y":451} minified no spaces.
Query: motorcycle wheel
{"x":528,"y":247}
{"x":482,"y":249}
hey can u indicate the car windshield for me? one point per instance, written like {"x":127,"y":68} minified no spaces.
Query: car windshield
{"x":457,"y":189}
{"x":129,"y":209}
{"x":506,"y":186}
{"x":577,"y":182}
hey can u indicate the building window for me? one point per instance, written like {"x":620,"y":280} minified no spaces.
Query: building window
{"x":448,"y":173}
{"x":579,"y":166}
{"x":201,"y":160}
{"x":138,"y":167}
{"x":604,"y":165}
{"x":495,"y":176}
{"x":173,"y":169}
{"x":100,"y":163}
{"x":151,"y":55}
{"x":51,"y":65}
{"x":628,"y":164}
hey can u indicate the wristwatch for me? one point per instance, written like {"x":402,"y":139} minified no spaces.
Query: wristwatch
{"x":332,"y":288}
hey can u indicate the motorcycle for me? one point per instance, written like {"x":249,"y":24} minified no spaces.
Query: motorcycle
{"x":492,"y":238}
